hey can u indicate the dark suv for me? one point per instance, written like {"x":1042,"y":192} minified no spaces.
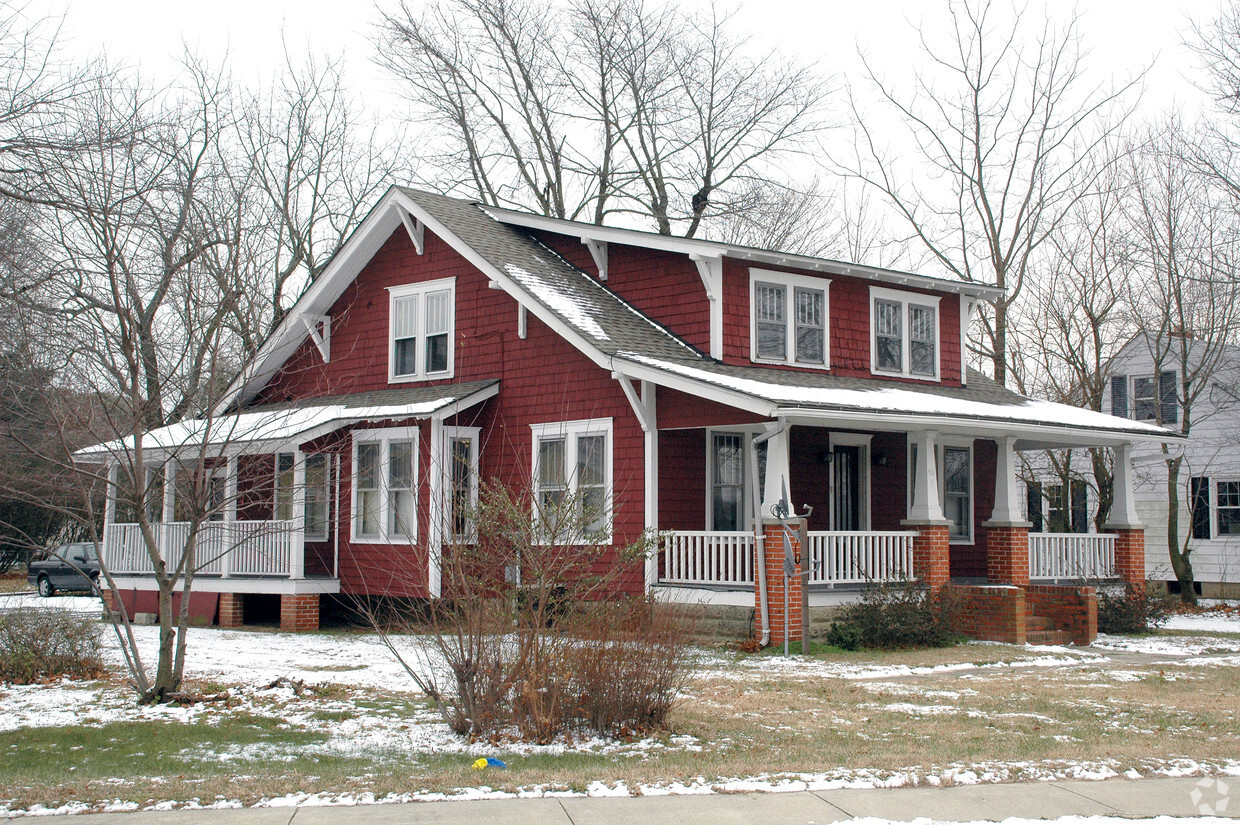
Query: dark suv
{"x":67,"y":567}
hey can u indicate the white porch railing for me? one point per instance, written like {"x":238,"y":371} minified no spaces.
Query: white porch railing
{"x":860,"y":557}
{"x":224,"y":548}
{"x":708,"y":557}
{"x":1071,"y":556}
{"x":700,"y":557}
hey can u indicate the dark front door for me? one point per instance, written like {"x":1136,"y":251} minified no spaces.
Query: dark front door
{"x":846,"y":488}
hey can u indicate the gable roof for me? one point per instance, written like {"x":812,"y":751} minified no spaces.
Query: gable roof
{"x":619,"y":338}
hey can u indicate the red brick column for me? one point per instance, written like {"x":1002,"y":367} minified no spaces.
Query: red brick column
{"x":1130,"y":554}
{"x":931,"y":562}
{"x":1007,"y":554}
{"x":776,"y":581}
{"x":299,"y":612}
{"x":232,"y":613}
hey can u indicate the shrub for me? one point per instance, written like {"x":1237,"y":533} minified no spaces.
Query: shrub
{"x":891,"y":616}
{"x":1132,"y":608}
{"x":39,"y":644}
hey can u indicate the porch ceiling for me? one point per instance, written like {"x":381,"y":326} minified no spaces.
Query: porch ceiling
{"x":297,"y":421}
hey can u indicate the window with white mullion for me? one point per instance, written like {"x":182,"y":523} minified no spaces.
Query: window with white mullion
{"x":592,"y":483}
{"x":401,"y":516}
{"x":572,"y":479}
{"x":923,"y":339}
{"x":727,"y":481}
{"x":889,"y":332}
{"x":367,"y":476}
{"x":405,"y":336}
{"x":811,"y":326}
{"x":771,"y":322}
{"x":1228,"y":508}
{"x":438,"y":327}
{"x":552,"y":477}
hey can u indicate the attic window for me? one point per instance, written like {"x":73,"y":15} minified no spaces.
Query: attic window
{"x":788,"y":319}
{"x":904,"y":333}
{"x":422,"y":318}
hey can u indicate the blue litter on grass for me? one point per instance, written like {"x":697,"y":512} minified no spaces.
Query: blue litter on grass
{"x":489,"y":762}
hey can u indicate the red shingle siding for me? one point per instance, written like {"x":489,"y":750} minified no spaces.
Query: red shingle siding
{"x":678,"y":410}
{"x":543,"y":379}
{"x":663,"y":285}
{"x":682,"y":480}
{"x":888,"y":505}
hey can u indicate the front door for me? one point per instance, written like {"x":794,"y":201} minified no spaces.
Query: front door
{"x":850,"y":500}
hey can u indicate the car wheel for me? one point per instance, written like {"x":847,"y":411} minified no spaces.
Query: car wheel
{"x":45,"y":587}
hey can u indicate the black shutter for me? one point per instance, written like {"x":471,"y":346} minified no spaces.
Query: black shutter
{"x":1033,"y":505}
{"x":1167,"y":397}
{"x":1119,"y":396}
{"x":1080,"y":507}
{"x":1199,"y":493}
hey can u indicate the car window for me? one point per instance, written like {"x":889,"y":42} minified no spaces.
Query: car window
{"x":78,"y":555}
{"x":91,"y":555}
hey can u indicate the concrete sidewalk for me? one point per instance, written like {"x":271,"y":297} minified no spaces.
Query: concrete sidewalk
{"x":1190,"y":797}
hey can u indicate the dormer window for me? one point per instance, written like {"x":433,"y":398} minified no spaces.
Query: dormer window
{"x":904,"y":336}
{"x":421,"y":320}
{"x":788,"y":319}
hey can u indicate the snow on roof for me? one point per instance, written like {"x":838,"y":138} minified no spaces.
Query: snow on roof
{"x":271,"y":425}
{"x":876,"y":397}
{"x":582,"y":316}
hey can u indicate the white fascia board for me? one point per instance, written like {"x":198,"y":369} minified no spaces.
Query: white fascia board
{"x":505,"y":282}
{"x":696,"y":246}
{"x":702,"y":389}
{"x":356,"y":252}
{"x":1050,"y":435}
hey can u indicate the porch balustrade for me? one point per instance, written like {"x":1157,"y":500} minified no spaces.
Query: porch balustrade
{"x":223,"y":548}
{"x":718,"y":558}
{"x":1074,"y":556}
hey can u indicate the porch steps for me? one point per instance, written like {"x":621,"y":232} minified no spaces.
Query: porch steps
{"x":1039,"y":630}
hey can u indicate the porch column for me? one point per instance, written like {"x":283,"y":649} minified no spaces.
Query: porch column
{"x":170,"y":492}
{"x":778,"y":581}
{"x":1123,"y":522}
{"x":650,"y":438}
{"x":440,"y":509}
{"x":230,"y":516}
{"x":931,"y":563}
{"x":297,"y":537}
{"x":1007,"y":534}
{"x":109,"y":507}
{"x":775,"y":486}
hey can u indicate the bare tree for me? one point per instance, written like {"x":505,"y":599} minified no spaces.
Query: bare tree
{"x":585,"y":110}
{"x":1185,"y":246}
{"x":1006,"y":130}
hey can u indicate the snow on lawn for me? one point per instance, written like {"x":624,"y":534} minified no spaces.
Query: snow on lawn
{"x":1214,"y":621}
{"x":74,"y":604}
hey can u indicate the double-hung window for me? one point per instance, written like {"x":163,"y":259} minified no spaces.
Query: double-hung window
{"x":460,"y":481}
{"x":904,"y":335}
{"x":385,"y":477}
{"x":1146,"y":397}
{"x":572,"y":479}
{"x":954,"y":469}
{"x":421,"y":327}
{"x":788,"y":318}
{"x":1228,"y":508}
{"x":318,"y":473}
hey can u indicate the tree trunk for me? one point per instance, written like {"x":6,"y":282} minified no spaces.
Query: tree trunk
{"x":1180,"y":561}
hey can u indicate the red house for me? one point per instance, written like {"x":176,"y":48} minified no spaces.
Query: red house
{"x":681,"y":384}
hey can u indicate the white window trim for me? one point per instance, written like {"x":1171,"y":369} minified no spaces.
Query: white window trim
{"x":572,"y":431}
{"x":1215,"y":509}
{"x":445,"y":457}
{"x":421,"y":289}
{"x":1132,"y":395}
{"x":327,"y":499}
{"x":385,"y":437}
{"x":906,"y":299}
{"x":956,"y":443}
{"x":791,"y":282}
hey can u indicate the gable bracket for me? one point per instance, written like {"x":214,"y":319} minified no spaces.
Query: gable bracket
{"x":320,"y":329}
{"x":645,"y":415}
{"x":417,"y":232}
{"x":598,"y":251}
{"x":710,"y":269}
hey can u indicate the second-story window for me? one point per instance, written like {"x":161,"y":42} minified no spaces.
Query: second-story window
{"x":421,"y":321}
{"x":788,"y":318}
{"x":904,"y":333}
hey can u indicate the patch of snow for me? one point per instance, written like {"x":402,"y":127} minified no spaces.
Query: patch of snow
{"x":1211,"y":622}
{"x":24,"y":600}
{"x":569,"y":308}
{"x":1166,"y":645}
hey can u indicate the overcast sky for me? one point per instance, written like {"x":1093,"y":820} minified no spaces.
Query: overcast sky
{"x":1124,"y":35}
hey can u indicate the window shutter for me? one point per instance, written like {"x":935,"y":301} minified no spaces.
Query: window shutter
{"x":1119,"y":396}
{"x":1167,"y":397}
{"x":1080,"y":507}
{"x":1033,"y":505}
{"x":1199,"y":495}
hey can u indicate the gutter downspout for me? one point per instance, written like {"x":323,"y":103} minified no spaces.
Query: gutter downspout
{"x":759,"y":533}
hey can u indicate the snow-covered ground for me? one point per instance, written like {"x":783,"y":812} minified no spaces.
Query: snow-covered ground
{"x":401,"y":727}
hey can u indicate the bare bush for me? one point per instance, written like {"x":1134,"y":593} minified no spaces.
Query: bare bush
{"x":37,"y":645}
